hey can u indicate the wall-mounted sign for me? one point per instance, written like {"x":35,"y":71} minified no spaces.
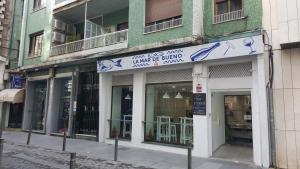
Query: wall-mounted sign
{"x":199,"y":104}
{"x":199,"y":88}
{"x":16,"y":82}
{"x":218,"y":50}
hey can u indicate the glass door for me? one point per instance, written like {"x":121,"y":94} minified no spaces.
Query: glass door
{"x":87,"y":115}
{"x":39,"y":102}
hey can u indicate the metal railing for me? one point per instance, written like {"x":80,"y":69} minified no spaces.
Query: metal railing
{"x":229,"y":16}
{"x":90,"y":43}
{"x":164,"y":25}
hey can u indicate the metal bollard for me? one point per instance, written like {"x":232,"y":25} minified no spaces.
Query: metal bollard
{"x":116,"y":148}
{"x":1,"y":145}
{"x":73,"y":161}
{"x":64,"y":141}
{"x":29,"y":136}
{"x":189,"y":157}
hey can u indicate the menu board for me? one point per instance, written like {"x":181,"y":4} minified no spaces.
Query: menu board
{"x":199,"y":104}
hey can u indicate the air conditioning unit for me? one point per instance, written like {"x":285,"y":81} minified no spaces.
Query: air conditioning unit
{"x":60,"y":25}
{"x":71,"y":29}
{"x":58,"y":37}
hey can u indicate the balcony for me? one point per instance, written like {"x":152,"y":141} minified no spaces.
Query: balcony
{"x":90,"y":27}
{"x":230,"y":16}
{"x":115,"y":39}
{"x":173,"y":23}
{"x":61,"y":3}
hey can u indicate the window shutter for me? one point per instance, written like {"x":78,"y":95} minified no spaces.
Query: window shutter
{"x":157,"y":10}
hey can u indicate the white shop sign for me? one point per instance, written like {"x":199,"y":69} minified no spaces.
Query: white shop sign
{"x":218,"y":50}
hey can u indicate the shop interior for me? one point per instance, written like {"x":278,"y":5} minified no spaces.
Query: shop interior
{"x":232,"y":126}
{"x":169,"y":113}
{"x":121,"y":116}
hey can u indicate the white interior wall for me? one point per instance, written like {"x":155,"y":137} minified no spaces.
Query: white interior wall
{"x":218,"y":120}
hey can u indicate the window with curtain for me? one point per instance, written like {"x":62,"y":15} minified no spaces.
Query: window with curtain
{"x":158,"y":10}
{"x":36,"y":44}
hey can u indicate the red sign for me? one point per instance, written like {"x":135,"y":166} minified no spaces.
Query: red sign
{"x":199,"y":88}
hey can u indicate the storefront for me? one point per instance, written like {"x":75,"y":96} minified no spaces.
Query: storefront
{"x":179,"y":97}
{"x":63,"y":99}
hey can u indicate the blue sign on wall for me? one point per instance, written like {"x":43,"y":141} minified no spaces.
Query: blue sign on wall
{"x":16,"y":82}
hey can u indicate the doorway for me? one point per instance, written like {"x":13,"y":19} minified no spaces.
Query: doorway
{"x":39,"y":105}
{"x":87,"y":114}
{"x":232,"y":126}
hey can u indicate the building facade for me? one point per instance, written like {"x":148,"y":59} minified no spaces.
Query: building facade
{"x":159,"y":75}
{"x":281,"y":20}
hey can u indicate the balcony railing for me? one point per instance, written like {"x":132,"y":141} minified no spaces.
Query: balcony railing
{"x":164,"y":25}
{"x":90,"y":43}
{"x":230,"y":16}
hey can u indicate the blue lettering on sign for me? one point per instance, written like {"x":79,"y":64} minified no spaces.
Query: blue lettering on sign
{"x":173,"y":56}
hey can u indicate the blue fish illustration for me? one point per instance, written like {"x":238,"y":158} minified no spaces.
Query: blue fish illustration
{"x":203,"y":53}
{"x":107,"y":65}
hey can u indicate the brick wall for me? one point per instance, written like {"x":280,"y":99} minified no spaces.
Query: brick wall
{"x":5,"y":21}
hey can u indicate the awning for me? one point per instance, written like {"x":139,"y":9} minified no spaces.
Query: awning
{"x":12,"y":95}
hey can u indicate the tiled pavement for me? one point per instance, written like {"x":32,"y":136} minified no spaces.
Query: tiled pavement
{"x":46,"y":153}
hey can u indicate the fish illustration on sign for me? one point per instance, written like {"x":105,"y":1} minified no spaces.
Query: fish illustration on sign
{"x":203,"y":53}
{"x":107,"y":65}
{"x":248,"y":42}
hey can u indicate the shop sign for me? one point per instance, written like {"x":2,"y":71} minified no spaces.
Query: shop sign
{"x":16,"y":82}
{"x":199,"y":104}
{"x":218,"y":50}
{"x":199,"y":88}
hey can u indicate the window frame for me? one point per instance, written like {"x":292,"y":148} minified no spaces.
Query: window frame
{"x":38,"y":4}
{"x":32,"y":53}
{"x":214,"y":11}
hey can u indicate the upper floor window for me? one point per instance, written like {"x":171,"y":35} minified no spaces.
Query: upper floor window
{"x":38,"y":4}
{"x":36,"y":44}
{"x":227,"y":10}
{"x":162,"y":15}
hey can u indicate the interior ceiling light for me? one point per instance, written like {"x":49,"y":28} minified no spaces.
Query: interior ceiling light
{"x":166,"y":96}
{"x":178,"y":96}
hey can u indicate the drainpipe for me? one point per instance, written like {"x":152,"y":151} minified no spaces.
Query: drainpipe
{"x":23,"y":34}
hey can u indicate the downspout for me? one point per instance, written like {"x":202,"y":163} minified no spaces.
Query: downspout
{"x":23,"y":34}
{"x":270,"y":102}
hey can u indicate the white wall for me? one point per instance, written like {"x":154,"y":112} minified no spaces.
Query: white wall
{"x":281,"y":19}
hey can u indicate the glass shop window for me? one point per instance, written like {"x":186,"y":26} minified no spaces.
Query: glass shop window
{"x":121,"y":115}
{"x":169,"y":113}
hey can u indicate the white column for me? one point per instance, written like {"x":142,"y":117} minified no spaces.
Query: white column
{"x":138,"y":108}
{"x":105,"y":90}
{"x":261,"y":151}
{"x":201,"y":122}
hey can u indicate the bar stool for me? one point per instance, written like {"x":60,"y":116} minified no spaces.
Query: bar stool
{"x":127,"y":125}
{"x":186,"y":134}
{"x":163,"y":128}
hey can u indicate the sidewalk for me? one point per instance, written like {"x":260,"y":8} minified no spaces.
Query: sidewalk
{"x":138,"y":157}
